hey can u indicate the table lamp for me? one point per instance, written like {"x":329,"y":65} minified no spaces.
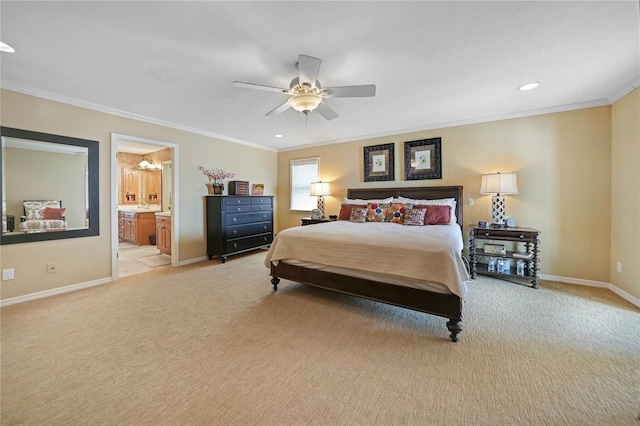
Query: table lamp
{"x":499,"y":184}
{"x":320,"y":189}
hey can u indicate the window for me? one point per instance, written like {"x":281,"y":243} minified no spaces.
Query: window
{"x":303,"y":172}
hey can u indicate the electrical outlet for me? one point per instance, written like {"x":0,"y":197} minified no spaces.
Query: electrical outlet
{"x":52,"y":267}
{"x":619,"y":266}
{"x":470,"y":201}
{"x":7,"y":274}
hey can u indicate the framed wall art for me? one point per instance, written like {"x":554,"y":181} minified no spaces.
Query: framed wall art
{"x":378,"y":163}
{"x":257,"y":189}
{"x":423,"y":159}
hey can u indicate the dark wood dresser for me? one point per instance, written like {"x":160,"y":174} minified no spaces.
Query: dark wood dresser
{"x":238,"y":223}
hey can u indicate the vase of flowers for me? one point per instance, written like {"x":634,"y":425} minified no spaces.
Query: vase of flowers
{"x":216,"y":179}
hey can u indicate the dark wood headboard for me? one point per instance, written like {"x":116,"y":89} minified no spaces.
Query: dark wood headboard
{"x":417,"y":192}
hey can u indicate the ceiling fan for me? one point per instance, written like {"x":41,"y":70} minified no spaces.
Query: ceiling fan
{"x":306,"y":93}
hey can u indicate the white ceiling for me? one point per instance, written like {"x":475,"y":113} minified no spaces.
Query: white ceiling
{"x":434,"y":63}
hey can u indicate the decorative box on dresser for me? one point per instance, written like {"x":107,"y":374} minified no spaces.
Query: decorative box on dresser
{"x":238,"y":223}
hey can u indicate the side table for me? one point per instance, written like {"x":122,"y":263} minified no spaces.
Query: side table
{"x":528,"y":236}
{"x":310,"y":221}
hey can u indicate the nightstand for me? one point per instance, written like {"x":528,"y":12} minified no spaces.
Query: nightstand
{"x":529,"y":237}
{"x":310,"y":221}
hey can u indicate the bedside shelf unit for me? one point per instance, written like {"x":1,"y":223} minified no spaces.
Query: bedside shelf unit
{"x":238,"y":223}
{"x":528,"y":236}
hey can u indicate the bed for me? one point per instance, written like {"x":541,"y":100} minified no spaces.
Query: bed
{"x":427,"y":275}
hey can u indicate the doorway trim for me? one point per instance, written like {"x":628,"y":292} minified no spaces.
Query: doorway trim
{"x":175,"y":231}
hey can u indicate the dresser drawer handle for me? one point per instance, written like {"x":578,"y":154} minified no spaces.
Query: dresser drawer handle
{"x":235,"y":232}
{"x":238,"y":201}
{"x":239,"y":208}
{"x":266,"y":239}
{"x":486,"y":234}
{"x":265,"y":227}
{"x":235,"y":245}
{"x":235,"y":219}
{"x":521,"y":236}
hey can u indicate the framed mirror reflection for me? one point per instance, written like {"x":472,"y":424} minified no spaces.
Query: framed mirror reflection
{"x":49,"y":186}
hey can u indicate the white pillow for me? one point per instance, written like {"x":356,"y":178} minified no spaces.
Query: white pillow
{"x":362,"y":202}
{"x":451,"y":202}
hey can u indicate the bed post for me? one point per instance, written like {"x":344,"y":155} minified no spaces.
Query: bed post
{"x":455,"y":327}
{"x":274,"y":279}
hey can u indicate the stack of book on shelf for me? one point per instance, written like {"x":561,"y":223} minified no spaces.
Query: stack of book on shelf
{"x":522,"y":255}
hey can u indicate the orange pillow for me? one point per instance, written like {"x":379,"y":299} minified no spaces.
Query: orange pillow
{"x":50,"y":213}
{"x":436,"y":215}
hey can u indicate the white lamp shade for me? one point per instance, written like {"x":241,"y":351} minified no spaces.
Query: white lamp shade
{"x":499,"y":183}
{"x":320,"y":188}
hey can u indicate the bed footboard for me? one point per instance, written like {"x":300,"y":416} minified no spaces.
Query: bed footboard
{"x":444,"y":305}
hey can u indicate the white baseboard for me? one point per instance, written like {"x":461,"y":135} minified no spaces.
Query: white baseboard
{"x":53,"y":292}
{"x":42,"y":294}
{"x":194,"y":260}
{"x":626,"y":296}
{"x":74,"y":287}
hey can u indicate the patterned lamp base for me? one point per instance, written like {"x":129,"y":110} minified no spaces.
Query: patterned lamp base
{"x":497,"y":210}
{"x":321,"y":205}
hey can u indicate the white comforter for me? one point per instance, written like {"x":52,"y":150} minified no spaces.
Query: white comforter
{"x":430,"y":253}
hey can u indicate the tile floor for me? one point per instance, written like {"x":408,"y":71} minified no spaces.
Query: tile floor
{"x":127,"y":255}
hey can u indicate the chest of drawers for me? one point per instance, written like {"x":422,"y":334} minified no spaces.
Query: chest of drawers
{"x":236,"y":224}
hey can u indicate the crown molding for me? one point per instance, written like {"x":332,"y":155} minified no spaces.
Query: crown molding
{"x":483,"y":119}
{"x":113,"y":111}
{"x":477,"y":120}
{"x":624,"y":91}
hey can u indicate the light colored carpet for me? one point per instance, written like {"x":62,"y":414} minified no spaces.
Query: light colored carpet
{"x":211,"y":343}
{"x":156,"y":260}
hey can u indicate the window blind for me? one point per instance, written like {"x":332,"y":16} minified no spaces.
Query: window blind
{"x":303,"y":172}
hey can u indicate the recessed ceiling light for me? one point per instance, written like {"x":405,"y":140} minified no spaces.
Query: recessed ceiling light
{"x":529,"y":86}
{"x":278,"y":136}
{"x":6,"y":48}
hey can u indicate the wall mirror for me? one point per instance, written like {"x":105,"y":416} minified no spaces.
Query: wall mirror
{"x":61,"y":170}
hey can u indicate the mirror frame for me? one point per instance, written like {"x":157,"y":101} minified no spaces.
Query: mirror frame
{"x":92,"y":184}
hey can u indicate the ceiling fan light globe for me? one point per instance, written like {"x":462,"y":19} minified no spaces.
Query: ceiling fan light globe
{"x":305,"y":102}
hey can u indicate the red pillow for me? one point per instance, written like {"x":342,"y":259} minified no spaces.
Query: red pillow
{"x":436,"y":215}
{"x":345,"y":211}
{"x":55,"y":214}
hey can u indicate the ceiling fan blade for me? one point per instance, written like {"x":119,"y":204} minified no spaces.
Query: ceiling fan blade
{"x":326,"y":111}
{"x":258,"y":87}
{"x":365,"y":90}
{"x":282,"y":108}
{"x":308,"y":69}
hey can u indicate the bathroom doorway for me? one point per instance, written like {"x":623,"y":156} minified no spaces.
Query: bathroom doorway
{"x":144,"y":203}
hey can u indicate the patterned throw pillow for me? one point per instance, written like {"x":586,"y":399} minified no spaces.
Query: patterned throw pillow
{"x":35,"y":209}
{"x":396,"y":212}
{"x":358,"y":215}
{"x":451,"y":202}
{"x":377,"y":212}
{"x":345,"y":211}
{"x":415,"y":217}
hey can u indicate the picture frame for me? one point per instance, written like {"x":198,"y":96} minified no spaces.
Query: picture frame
{"x":257,"y":189}
{"x":379,"y":163}
{"x":423,"y":159}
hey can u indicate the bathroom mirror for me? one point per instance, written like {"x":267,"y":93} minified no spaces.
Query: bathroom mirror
{"x":42,"y":166}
